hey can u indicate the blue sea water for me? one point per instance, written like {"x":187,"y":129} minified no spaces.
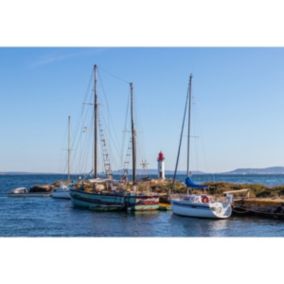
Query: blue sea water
{"x":44,"y":217}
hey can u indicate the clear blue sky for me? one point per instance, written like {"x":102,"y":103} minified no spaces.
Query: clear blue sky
{"x":237,"y":113}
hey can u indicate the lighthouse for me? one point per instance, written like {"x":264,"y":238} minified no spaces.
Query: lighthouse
{"x":161,"y":165}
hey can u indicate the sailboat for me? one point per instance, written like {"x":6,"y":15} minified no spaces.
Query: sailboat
{"x":96,"y":193}
{"x":63,"y":190}
{"x":106,"y":194}
{"x":197,"y":205}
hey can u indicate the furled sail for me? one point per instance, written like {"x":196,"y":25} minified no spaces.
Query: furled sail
{"x":190,"y":183}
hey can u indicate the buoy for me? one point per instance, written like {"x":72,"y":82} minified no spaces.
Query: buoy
{"x":204,"y":199}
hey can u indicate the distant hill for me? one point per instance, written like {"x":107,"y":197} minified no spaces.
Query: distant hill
{"x":257,"y":171}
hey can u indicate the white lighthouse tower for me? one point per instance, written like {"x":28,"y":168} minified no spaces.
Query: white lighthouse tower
{"x":161,"y":165}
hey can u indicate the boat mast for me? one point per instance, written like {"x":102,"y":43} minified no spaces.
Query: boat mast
{"x":133,"y":135}
{"x":95,"y":122}
{"x":181,"y":135}
{"x":188,"y":126}
{"x":69,"y":149}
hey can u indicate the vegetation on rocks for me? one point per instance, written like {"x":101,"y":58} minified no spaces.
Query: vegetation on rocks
{"x":214,"y":188}
{"x":254,"y":190}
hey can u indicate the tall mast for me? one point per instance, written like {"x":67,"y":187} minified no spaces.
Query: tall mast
{"x":69,"y":149}
{"x":95,"y":122}
{"x":180,"y":141}
{"x":133,"y":135}
{"x":188,"y":126}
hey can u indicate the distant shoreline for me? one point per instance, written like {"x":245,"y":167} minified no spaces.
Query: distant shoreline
{"x":153,"y":172}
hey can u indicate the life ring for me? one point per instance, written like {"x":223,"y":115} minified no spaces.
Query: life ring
{"x":205,"y":199}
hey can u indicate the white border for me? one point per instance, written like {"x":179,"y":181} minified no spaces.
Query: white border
{"x":141,"y":23}
{"x":141,"y":260}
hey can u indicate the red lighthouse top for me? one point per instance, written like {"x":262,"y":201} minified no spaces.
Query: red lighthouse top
{"x":161,"y":156}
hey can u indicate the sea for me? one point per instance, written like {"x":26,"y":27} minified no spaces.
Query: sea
{"x":48,"y":217}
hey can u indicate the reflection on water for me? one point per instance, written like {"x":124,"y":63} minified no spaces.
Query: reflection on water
{"x":145,"y":213}
{"x":218,"y":227}
{"x":197,"y":227}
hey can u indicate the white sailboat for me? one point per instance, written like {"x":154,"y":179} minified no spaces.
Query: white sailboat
{"x":198,"y":205}
{"x":63,"y":190}
{"x":202,"y":206}
{"x":34,"y":191}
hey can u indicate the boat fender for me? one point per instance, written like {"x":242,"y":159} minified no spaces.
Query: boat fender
{"x":205,"y":199}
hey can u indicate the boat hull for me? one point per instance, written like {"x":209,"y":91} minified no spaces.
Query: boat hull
{"x":199,"y":210}
{"x":98,"y":201}
{"x":29,"y":194}
{"x":60,"y":193}
{"x":142,"y":203}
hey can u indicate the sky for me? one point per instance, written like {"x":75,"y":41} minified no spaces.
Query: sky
{"x":237,"y":111}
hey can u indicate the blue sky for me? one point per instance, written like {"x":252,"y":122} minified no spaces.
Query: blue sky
{"x":237,"y":111}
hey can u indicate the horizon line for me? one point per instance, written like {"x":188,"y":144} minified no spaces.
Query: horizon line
{"x":139,"y":169}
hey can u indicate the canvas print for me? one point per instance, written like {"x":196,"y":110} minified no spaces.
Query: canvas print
{"x":141,"y":142}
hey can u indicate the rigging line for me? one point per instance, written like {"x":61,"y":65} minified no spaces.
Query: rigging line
{"x":114,"y":76}
{"x":65,"y":150}
{"x":128,"y":154}
{"x":126,"y":121}
{"x":76,"y":145}
{"x":85,"y":163}
{"x":80,"y":155}
{"x":141,"y":150}
{"x":82,"y":133}
{"x":113,"y":149}
{"x":87,"y":92}
{"x":140,"y":133}
{"x":82,"y":121}
{"x":196,"y":152}
{"x":181,"y":135}
{"x":61,"y":159}
{"x":196,"y":142}
{"x":87,"y":160}
{"x":80,"y":141}
{"x":200,"y":151}
{"x":114,"y":131}
{"x":105,"y":148}
{"x":84,"y":114}
{"x":109,"y":122}
{"x":111,"y":141}
{"x":81,"y":152}
{"x":84,"y":152}
{"x":82,"y":124}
